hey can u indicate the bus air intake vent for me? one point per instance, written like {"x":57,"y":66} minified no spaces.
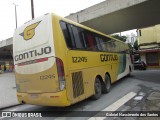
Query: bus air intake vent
{"x":77,"y":83}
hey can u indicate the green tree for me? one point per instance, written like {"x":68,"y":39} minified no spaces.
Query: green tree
{"x":135,"y":45}
{"x":122,"y":38}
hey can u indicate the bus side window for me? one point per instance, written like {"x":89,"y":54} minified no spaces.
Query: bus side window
{"x":117,"y":48}
{"x":106,"y":44}
{"x":67,"y":35}
{"x":91,"y":43}
{"x":79,"y":37}
{"x":98,"y":41}
{"x":114,"y":46}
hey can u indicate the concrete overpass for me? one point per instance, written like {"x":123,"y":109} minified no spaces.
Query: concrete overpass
{"x":113,"y":16}
{"x":6,"y":50}
{"x":110,"y":16}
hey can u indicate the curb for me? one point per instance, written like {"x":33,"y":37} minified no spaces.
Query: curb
{"x":18,"y":104}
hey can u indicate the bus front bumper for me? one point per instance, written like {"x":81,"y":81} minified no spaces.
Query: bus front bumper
{"x":44,"y":99}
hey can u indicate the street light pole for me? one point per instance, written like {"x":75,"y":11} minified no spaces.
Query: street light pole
{"x":32,"y":9}
{"x":15,"y":13}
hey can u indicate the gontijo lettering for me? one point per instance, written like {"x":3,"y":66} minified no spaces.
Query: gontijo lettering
{"x":33,"y":53}
{"x":108,"y":57}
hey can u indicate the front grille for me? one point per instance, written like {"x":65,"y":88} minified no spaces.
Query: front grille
{"x":77,"y":83}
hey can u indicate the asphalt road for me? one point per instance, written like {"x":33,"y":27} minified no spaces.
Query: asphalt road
{"x":140,"y":83}
{"x":147,"y":75}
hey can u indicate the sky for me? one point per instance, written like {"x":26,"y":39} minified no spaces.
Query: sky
{"x":41,"y":7}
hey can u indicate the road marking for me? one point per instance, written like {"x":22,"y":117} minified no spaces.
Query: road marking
{"x":120,"y":102}
{"x":116,"y":105}
{"x":137,"y":98}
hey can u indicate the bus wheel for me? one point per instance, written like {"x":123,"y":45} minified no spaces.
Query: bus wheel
{"x":107,"y":84}
{"x":98,"y":89}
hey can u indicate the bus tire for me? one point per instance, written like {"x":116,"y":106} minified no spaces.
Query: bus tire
{"x":107,"y":84}
{"x":98,"y":89}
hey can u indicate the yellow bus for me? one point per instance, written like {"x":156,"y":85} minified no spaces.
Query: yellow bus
{"x":59,"y":62}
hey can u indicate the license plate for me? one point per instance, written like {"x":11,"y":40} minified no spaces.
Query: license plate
{"x":34,"y":96}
